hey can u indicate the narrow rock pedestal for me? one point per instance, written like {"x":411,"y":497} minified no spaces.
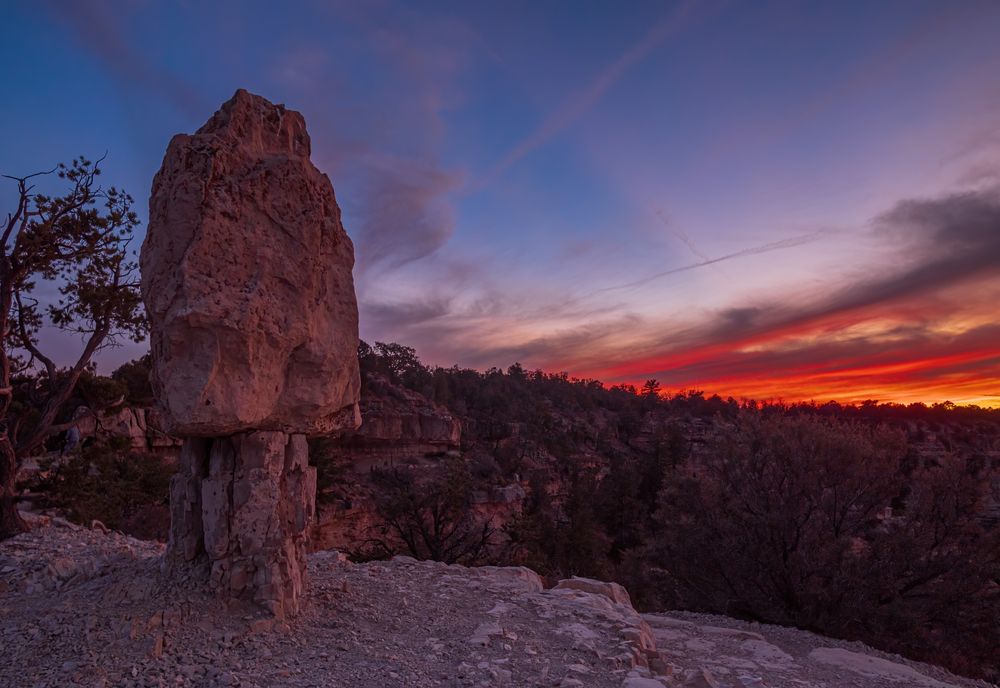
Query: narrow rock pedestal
{"x":244,"y":503}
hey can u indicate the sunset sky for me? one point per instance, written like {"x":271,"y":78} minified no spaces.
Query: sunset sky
{"x":758,"y":199}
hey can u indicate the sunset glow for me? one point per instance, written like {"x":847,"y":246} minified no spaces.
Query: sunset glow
{"x":756,"y":200}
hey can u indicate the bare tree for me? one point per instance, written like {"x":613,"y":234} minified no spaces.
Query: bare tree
{"x":77,"y":242}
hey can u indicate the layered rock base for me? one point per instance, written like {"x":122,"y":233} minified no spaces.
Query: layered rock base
{"x":242,"y":505}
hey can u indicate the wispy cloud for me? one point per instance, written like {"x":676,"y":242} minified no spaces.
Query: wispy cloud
{"x":681,"y":236}
{"x":384,"y":145}
{"x":579,"y":103}
{"x":405,"y":213}
{"x":100,"y":32}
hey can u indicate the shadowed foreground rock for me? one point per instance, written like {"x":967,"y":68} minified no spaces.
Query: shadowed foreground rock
{"x":246,"y":276}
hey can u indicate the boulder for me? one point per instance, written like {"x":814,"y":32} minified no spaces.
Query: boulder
{"x":126,"y":422}
{"x":246,"y":277}
{"x":613,"y":591}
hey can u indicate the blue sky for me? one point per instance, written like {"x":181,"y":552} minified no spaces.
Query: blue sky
{"x":586,"y":186}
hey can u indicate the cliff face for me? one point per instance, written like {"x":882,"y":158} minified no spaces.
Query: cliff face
{"x":399,"y":429}
{"x":397,"y":425}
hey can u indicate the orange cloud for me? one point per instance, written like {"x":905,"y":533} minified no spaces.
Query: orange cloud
{"x":913,"y":364}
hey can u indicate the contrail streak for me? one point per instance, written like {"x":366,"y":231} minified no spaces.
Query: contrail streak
{"x":681,"y":236}
{"x":576,"y":106}
{"x":753,"y":251}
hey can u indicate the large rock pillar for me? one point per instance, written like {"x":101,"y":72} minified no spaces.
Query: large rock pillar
{"x":246,"y":277}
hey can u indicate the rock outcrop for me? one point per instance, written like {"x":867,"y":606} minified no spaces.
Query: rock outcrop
{"x":143,"y":427}
{"x":246,"y":276}
{"x":398,"y":424}
{"x":92,"y":608}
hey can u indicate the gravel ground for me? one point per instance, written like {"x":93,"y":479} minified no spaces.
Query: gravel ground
{"x":82,"y":607}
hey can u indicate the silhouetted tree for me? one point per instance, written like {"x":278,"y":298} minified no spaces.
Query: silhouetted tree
{"x":134,"y":375}
{"x":790,"y":519}
{"x":651,"y":388}
{"x":78,"y":241}
{"x":107,"y":482}
{"x":831,"y":517}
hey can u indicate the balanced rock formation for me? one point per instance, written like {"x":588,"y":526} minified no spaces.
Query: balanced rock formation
{"x":246,"y":276}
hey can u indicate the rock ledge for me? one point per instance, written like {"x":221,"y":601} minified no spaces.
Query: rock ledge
{"x":91,"y":608}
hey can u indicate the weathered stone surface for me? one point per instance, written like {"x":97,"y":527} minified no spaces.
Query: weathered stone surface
{"x":187,"y":539}
{"x":245,"y":503}
{"x":246,"y":276}
{"x":394,"y":414}
{"x":613,"y":591}
{"x":89,"y":607}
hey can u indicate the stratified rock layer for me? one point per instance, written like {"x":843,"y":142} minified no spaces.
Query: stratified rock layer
{"x":246,"y":276}
{"x":245,"y":503}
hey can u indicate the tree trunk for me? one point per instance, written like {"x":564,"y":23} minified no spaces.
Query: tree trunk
{"x":57,"y":397}
{"x":11,"y":522}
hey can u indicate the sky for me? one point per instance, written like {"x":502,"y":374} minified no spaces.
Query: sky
{"x":772,"y":200}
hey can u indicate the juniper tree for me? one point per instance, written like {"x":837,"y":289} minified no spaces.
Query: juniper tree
{"x":76,"y":244}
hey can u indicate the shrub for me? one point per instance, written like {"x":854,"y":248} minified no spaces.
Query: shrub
{"x":112,"y":485}
{"x":432,"y":518}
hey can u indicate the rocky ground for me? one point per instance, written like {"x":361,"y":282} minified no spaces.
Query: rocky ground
{"x":83,"y":607}
{"x":728,"y":652}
